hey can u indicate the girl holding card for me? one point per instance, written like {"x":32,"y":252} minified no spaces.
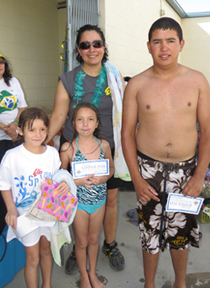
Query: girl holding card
{"x":91,"y":189}
{"x":21,"y":170}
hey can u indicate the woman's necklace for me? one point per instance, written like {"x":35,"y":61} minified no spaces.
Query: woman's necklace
{"x":98,"y":92}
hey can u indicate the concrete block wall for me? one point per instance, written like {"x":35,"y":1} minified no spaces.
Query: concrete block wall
{"x":196,"y":53}
{"x":29,"y":39}
{"x":126,"y":25}
{"x":32,"y":32}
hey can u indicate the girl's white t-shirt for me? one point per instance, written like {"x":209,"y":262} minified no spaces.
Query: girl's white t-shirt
{"x":20,"y":172}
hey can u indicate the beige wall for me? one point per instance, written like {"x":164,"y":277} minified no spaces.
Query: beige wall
{"x":62,"y":15}
{"x":126,"y":29}
{"x":32,"y":32}
{"x":29,"y":39}
{"x":196,"y":53}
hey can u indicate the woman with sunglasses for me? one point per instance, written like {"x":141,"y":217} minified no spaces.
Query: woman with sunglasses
{"x":12,"y":103}
{"x":96,"y":81}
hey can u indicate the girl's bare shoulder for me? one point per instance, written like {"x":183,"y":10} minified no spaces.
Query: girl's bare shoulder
{"x":67,"y":147}
{"x":104,"y":144}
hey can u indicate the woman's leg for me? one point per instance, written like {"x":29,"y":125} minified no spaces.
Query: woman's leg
{"x":110,"y":247}
{"x":45,"y":261}
{"x":32,"y":261}
{"x":81,"y":226}
{"x":96,"y":220}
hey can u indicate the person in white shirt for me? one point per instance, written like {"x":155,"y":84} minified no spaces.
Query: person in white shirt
{"x":12,"y":103}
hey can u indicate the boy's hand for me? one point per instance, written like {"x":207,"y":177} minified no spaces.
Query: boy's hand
{"x":11,"y":217}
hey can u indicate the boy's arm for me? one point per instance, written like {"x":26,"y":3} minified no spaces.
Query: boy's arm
{"x":129,"y":121}
{"x":96,"y":180}
{"x":108,"y":155}
{"x":194,"y":186}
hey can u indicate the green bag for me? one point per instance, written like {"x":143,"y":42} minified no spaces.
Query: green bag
{"x":205,"y":193}
{"x":204,"y":215}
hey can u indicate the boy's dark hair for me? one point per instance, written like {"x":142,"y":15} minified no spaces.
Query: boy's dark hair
{"x":166,"y":23}
{"x":29,"y":115}
{"x":74,"y":115}
{"x":89,"y":27}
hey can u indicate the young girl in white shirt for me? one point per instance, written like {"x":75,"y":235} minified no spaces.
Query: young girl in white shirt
{"x":20,"y":171}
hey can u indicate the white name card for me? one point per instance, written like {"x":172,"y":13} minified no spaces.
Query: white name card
{"x":185,"y":204}
{"x":97,"y":167}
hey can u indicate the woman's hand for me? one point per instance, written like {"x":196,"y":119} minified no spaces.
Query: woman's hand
{"x":10,"y":130}
{"x":62,"y":188}
{"x":11,"y":217}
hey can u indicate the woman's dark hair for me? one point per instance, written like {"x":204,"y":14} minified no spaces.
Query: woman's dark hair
{"x":7,"y":76}
{"x":29,"y":115}
{"x":166,"y":23}
{"x":89,"y":27}
{"x":74,"y":115}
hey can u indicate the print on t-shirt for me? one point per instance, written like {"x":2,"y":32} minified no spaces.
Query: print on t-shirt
{"x":8,"y":101}
{"x":25,"y":198}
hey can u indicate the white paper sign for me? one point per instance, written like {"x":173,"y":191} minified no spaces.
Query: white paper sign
{"x":181,"y":203}
{"x":97,"y":167}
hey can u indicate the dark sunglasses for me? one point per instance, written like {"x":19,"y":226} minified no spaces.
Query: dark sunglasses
{"x":2,"y":61}
{"x":86,"y":45}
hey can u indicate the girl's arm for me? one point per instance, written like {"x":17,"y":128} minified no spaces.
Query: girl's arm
{"x":107,"y":155}
{"x":65,"y":153}
{"x":66,"y":156}
{"x":12,"y":213}
{"x":85,"y":181}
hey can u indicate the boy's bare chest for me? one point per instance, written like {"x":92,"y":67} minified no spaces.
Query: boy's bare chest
{"x":173,"y":96}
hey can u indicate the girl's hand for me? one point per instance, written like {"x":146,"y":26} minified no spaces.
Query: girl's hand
{"x":62,"y":188}
{"x":85,"y":181}
{"x":11,"y":217}
{"x":96,"y":180}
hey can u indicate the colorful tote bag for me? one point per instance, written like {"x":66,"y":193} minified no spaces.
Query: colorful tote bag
{"x":61,"y":207}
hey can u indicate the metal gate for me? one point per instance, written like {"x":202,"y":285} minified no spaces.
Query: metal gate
{"x":79,"y":13}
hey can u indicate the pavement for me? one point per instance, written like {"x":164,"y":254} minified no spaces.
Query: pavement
{"x":198,"y":268}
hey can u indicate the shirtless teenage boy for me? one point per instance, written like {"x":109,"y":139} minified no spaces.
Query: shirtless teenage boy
{"x":166,"y":100}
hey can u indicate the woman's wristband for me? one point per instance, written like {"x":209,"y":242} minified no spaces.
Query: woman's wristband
{"x":16,"y":121}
